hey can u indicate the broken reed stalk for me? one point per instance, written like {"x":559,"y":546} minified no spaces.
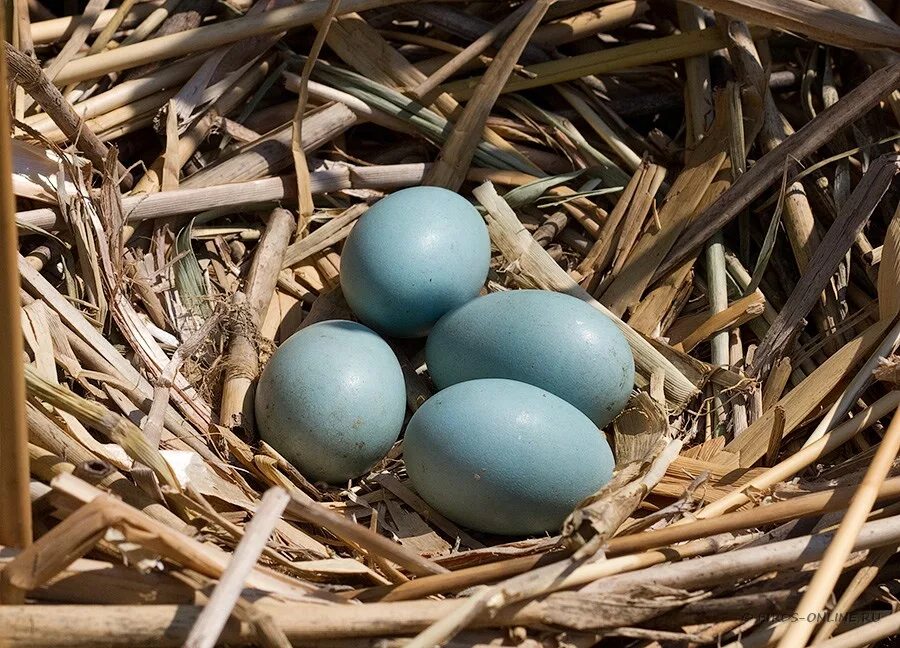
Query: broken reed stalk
{"x":823,"y":581}
{"x":810,"y":19}
{"x":825,"y":260}
{"x":211,"y":622}
{"x":472,"y":51}
{"x":15,"y":499}
{"x":862,"y":579}
{"x":26,"y":72}
{"x":242,"y":359}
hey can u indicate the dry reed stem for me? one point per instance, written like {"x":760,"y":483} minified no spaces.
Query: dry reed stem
{"x":28,"y":74}
{"x":804,"y":457}
{"x":769,"y":168}
{"x":589,"y":610}
{"x":44,"y":32}
{"x":242,"y":358}
{"x":211,"y":622}
{"x":677,"y":212}
{"x":207,"y":559}
{"x":76,"y":39}
{"x":452,"y":164}
{"x":204,"y":38}
{"x":735,"y":314}
{"x":861,"y":580}
{"x":304,"y":195}
{"x":311,"y":511}
{"x":823,"y":581}
{"x":810,"y":19}
{"x":836,"y":243}
{"x":798,"y":507}
{"x":625,"y":57}
{"x":802,"y":400}
{"x":15,"y":501}
{"x":866,"y":635}
{"x":54,"y":551}
{"x":473,"y":50}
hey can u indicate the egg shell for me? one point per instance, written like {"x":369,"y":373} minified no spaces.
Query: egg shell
{"x":412,"y":257}
{"x":331,"y":400}
{"x":551,"y":340}
{"x":504,"y":457}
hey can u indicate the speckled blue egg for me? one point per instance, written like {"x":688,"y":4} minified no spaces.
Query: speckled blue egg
{"x":551,"y":340}
{"x":504,"y":457}
{"x":414,"y":256}
{"x":331,"y":400}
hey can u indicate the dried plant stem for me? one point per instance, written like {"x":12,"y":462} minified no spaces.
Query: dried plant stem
{"x":304,"y":195}
{"x":312,"y":511}
{"x":57,"y":29}
{"x":860,"y":381}
{"x":76,"y":39}
{"x":325,"y":236}
{"x":823,"y":581}
{"x":594,"y":21}
{"x":866,"y":635}
{"x":211,"y":622}
{"x":242,"y":359}
{"x":122,"y":94}
{"x":205,"y":38}
{"x":149,"y":24}
{"x":28,"y":73}
{"x":207,"y":559}
{"x":802,"y":506}
{"x":301,"y":622}
{"x":456,"y":155}
{"x":825,"y":260}
{"x":54,"y":551}
{"x":770,"y":167}
{"x":804,"y":457}
{"x":861,"y":580}
{"x":15,"y":500}
{"x":733,"y":315}
{"x":625,"y":57}
{"x":811,"y":19}
{"x":472,"y":51}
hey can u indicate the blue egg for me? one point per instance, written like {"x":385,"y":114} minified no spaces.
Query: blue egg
{"x":414,"y":256}
{"x":331,"y":400}
{"x":551,"y":340}
{"x":504,"y":457}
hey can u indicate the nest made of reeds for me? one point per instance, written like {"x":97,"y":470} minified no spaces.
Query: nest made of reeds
{"x":716,"y":176}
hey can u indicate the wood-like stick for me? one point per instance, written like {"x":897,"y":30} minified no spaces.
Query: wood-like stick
{"x":242,"y":360}
{"x":15,"y":498}
{"x":211,"y":622}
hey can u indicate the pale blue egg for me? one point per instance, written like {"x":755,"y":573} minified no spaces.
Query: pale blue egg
{"x":331,"y":400}
{"x":504,"y":457}
{"x":552,"y":340}
{"x":414,"y":256}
